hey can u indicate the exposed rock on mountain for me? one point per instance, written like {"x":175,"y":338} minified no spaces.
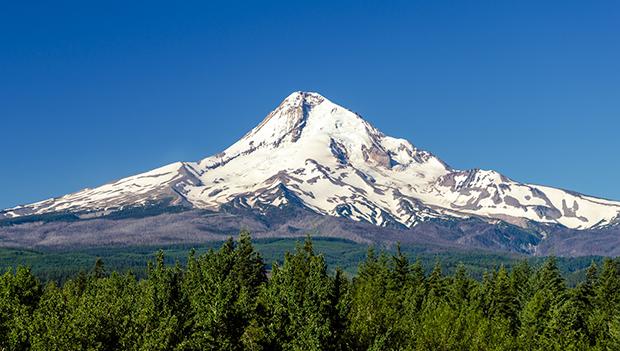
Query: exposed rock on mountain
{"x":312,"y":154}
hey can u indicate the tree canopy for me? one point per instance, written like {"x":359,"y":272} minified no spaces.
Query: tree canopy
{"x":225,"y":299}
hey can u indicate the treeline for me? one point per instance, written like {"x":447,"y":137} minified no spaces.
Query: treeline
{"x":61,"y":265}
{"x":226,"y":300}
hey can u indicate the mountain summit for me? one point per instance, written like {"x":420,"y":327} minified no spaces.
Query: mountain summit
{"x":318,"y":155}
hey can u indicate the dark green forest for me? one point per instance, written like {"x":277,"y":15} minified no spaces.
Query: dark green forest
{"x":60,"y":265}
{"x":228,"y":298}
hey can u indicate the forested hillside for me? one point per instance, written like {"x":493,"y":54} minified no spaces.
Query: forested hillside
{"x":226,"y":299}
{"x":61,"y":265}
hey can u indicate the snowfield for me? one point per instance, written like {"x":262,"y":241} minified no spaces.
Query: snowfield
{"x":318,"y":154}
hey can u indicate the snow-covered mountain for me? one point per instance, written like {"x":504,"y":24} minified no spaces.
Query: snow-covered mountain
{"x":316,"y":154}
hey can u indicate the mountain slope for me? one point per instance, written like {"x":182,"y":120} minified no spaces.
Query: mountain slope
{"x":320,"y":156}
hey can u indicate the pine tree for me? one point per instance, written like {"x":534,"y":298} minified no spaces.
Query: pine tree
{"x":436,"y":284}
{"x":99,"y":269}
{"x":340,"y":308}
{"x":19,"y":296}
{"x":417,"y":274}
{"x":400,"y":270}
{"x":163,"y":307}
{"x":369,"y":316}
{"x":299,"y":303}
{"x":460,"y":289}
{"x":222,"y":300}
{"x":550,"y":278}
{"x":608,"y":291}
{"x":504,"y":303}
{"x":550,"y":294}
{"x":222,"y":289}
{"x":520,"y":282}
{"x":606,"y":300}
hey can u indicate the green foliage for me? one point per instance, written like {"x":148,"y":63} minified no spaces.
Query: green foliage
{"x":222,"y":287}
{"x":60,"y":265}
{"x":19,"y":297}
{"x":299,"y":303}
{"x":227,"y":299}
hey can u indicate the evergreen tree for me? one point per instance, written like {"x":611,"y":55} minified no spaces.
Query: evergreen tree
{"x":299,"y":304}
{"x":340,"y":308}
{"x":223,"y":300}
{"x":461,"y":286}
{"x":521,"y":282}
{"x":607,"y":300}
{"x":536,"y":316}
{"x":222,"y":288}
{"x":19,"y":297}
{"x":608,"y":290}
{"x":99,"y":268}
{"x":162,"y":310}
{"x":567,"y":328}
{"x":436,"y":283}
{"x":417,"y":274}
{"x":400,"y":274}
{"x":371,"y":318}
{"x":504,"y":303}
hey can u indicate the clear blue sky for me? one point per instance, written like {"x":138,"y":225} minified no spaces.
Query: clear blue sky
{"x":95,"y":91}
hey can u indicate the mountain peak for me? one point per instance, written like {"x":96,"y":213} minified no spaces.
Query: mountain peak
{"x":331,"y":159}
{"x":300,"y":98}
{"x":311,"y":116}
{"x":308,"y":125}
